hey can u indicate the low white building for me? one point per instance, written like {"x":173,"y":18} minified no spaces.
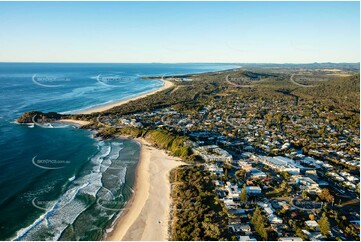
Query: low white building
{"x":213,"y":153}
{"x":312,"y":224}
{"x":213,"y":168}
{"x":290,"y":239}
{"x":233,"y":190}
{"x":308,"y":185}
{"x":280,"y":163}
{"x":273,"y":219}
{"x":253,"y":190}
{"x":257,"y":174}
{"x":246,"y":238}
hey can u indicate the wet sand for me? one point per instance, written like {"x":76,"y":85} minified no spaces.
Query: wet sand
{"x":147,"y":213}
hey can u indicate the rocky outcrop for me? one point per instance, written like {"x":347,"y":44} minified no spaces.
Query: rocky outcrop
{"x":30,"y":117}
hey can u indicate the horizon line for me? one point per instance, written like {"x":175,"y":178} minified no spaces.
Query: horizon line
{"x":237,"y":63}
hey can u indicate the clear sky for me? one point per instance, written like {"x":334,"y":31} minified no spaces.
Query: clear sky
{"x":257,"y":32}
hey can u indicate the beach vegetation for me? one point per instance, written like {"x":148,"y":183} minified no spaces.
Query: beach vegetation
{"x":196,"y":212}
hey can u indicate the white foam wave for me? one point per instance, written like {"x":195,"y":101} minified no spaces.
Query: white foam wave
{"x":116,"y":148}
{"x":88,"y":107}
{"x":56,"y":218}
{"x":126,"y":96}
{"x":121,"y":175}
{"x":68,"y":207}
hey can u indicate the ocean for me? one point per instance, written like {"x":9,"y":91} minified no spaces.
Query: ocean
{"x":58,"y":182}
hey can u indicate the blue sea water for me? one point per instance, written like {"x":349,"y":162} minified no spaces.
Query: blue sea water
{"x":58,"y":183}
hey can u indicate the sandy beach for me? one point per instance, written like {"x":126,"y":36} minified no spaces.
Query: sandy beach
{"x":147,"y":213}
{"x":167,"y":84}
{"x":74,"y":121}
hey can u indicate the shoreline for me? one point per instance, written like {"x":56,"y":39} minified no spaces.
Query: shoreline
{"x":146,"y":216}
{"x":75,"y":121}
{"x":166,"y":85}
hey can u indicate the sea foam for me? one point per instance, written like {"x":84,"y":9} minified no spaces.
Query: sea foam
{"x":69,"y":206}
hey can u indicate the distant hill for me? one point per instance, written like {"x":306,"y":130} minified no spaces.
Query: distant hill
{"x":346,"y":66}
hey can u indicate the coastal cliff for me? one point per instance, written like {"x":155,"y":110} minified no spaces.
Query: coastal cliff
{"x":30,"y":117}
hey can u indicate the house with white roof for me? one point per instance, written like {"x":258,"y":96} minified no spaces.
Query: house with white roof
{"x":280,"y":163}
{"x":312,"y":224}
{"x":233,"y":190}
{"x":253,"y":190}
{"x":246,"y":238}
{"x":290,"y":239}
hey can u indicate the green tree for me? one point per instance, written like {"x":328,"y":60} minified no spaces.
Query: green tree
{"x":324,"y":224}
{"x":283,"y":186}
{"x":262,"y":231}
{"x":256,"y":214}
{"x":258,"y":223}
{"x":285,"y":175}
{"x":211,"y":230}
{"x":226,"y":167}
{"x":325,"y":195}
{"x":304,"y":194}
{"x":240,"y":174}
{"x":243,"y":195}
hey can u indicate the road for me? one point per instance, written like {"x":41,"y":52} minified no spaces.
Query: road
{"x":236,"y":85}
{"x":298,"y":84}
